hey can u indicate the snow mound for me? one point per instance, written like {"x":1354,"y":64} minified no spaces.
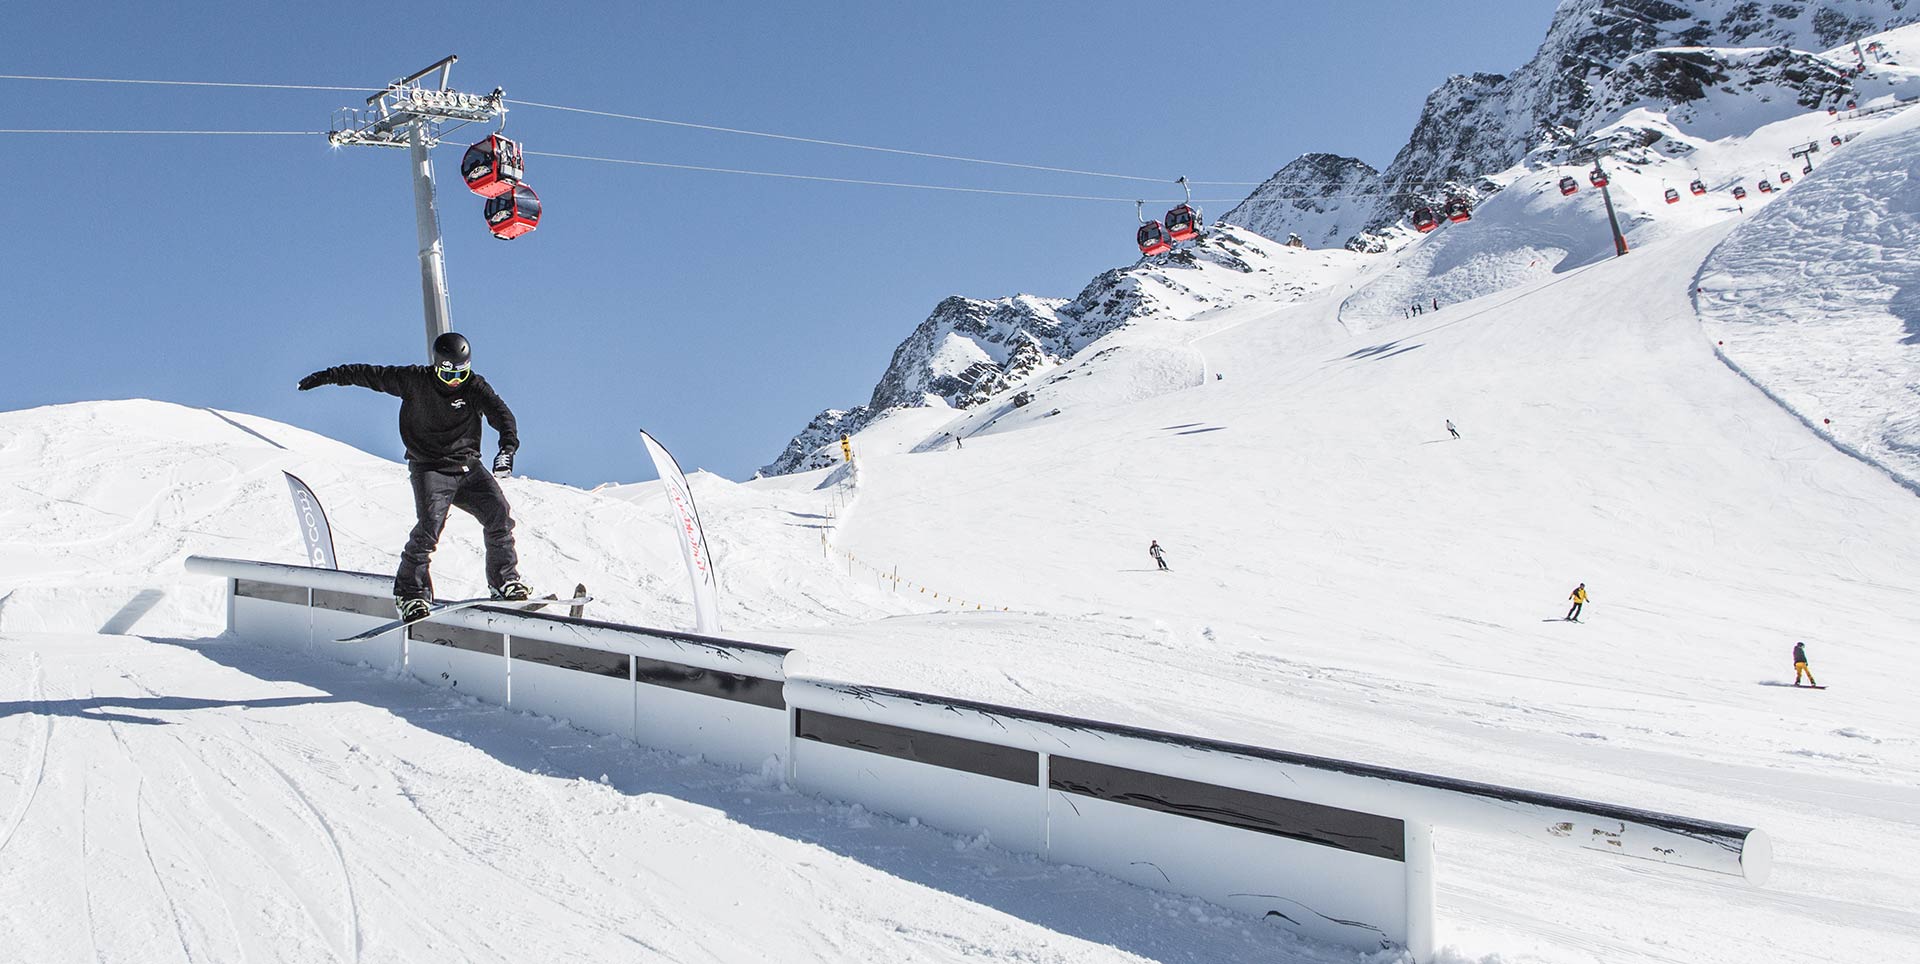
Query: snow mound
{"x":1817,"y":298}
{"x":107,"y":499}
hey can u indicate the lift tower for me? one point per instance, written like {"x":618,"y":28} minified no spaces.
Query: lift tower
{"x":412,"y":115}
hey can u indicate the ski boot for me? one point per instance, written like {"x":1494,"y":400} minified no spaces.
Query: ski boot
{"x":514,"y":591}
{"x":412,"y":607}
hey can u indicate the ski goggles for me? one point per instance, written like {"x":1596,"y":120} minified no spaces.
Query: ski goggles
{"x":453,"y":374}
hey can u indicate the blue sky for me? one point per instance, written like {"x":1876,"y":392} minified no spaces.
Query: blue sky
{"x":718,"y":311}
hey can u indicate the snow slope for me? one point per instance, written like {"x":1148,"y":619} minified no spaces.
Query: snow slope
{"x":1818,"y":298}
{"x":106,"y":499}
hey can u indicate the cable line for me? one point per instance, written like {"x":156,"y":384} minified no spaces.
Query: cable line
{"x":174,"y":83}
{"x":869,"y":147}
{"x":26,"y":130}
{"x":925,"y":187}
{"x":824,"y":178}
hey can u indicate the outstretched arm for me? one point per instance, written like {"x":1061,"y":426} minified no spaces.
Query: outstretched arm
{"x":381,"y":378}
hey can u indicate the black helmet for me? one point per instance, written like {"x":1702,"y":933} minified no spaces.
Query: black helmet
{"x":452,"y":358}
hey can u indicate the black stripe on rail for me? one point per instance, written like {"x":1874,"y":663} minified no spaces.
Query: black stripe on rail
{"x":1349,"y":830}
{"x":936,"y":749}
{"x":270,"y":591}
{"x":580,"y":659}
{"x":1727,"y":836}
{"x":353,"y":602}
{"x":460,"y":637}
{"x":727,"y":686}
{"x":715,"y":643}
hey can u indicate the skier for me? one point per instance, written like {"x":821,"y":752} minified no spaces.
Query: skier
{"x":1800,"y":665}
{"x":1579,"y":597}
{"x":1451,"y":430}
{"x":440,"y":411}
{"x":1159,"y":555}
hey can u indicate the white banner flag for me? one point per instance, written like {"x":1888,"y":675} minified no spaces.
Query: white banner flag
{"x":313,"y":524}
{"x":693,"y":539}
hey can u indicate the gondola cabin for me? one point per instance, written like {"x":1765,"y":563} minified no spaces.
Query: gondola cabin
{"x":1786,"y":177}
{"x":1673,"y":196}
{"x":1698,"y":187}
{"x":1853,"y":105}
{"x":1739,"y":193}
{"x":1832,"y":110}
{"x":1153,"y":239}
{"x":513,"y":213}
{"x":493,"y":166}
{"x":1834,"y":140}
{"x":1423,"y":220}
{"x":1598,"y":177}
{"x":1457,"y":209}
{"x":1766,"y":187}
{"x":1183,"y":223}
{"x":1568,"y":185}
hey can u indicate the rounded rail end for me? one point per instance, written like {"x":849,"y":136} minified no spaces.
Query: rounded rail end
{"x":1756,"y":857}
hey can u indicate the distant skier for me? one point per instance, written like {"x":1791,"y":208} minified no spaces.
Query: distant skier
{"x":1436,"y":304}
{"x":440,"y":411}
{"x":1800,"y":665}
{"x":1579,"y":597}
{"x":1451,"y":430}
{"x":1159,"y":555}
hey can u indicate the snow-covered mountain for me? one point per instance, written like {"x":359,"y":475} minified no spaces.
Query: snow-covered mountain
{"x":1669,"y":91}
{"x":969,"y":351}
{"x":1600,"y":59}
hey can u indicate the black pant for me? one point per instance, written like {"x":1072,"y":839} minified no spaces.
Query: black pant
{"x":474,"y":491}
{"x":1574,"y":613}
{"x":1162,"y":562}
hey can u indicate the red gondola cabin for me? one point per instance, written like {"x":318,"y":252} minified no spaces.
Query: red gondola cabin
{"x":1766,"y":187}
{"x":514,"y":213}
{"x":1834,"y":140}
{"x":1568,"y":185}
{"x":1183,"y":223}
{"x":1423,"y":220}
{"x":1786,"y":177}
{"x":1598,"y":177}
{"x":1739,"y":193}
{"x":1457,"y":209}
{"x":493,"y":166}
{"x":1153,"y":239}
{"x":1698,"y":187}
{"x":1673,"y":196}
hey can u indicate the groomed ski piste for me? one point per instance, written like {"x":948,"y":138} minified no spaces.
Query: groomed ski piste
{"x":1347,"y":581}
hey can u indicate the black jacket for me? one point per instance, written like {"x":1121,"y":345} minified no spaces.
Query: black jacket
{"x":1799,"y":652}
{"x":440,"y":426}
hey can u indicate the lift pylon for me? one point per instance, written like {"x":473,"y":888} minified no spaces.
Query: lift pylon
{"x":411,"y":114}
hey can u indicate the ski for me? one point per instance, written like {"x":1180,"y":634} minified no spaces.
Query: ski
{"x":531,"y":605}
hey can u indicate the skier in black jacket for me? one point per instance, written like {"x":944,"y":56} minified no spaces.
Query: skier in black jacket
{"x":440,"y":411}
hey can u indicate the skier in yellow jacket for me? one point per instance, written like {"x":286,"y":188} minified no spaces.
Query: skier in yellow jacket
{"x":1579,"y":597}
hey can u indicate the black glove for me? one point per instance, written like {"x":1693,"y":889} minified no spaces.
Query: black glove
{"x":315,"y":380}
{"x":503,"y":463}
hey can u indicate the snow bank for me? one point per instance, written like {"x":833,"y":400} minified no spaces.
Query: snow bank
{"x":1817,"y":298}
